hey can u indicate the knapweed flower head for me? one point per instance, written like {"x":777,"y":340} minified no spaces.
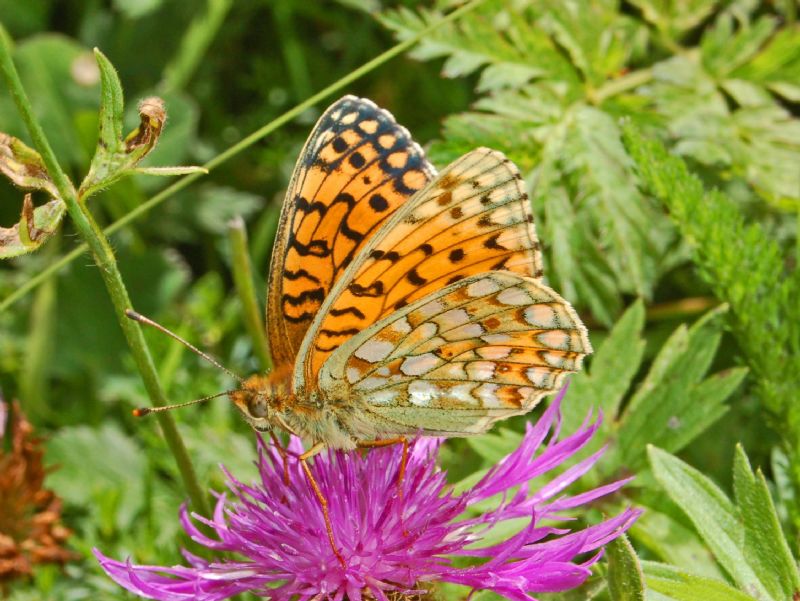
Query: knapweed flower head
{"x":391,"y":543}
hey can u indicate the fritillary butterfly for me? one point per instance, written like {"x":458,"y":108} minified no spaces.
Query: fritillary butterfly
{"x":402,"y":301}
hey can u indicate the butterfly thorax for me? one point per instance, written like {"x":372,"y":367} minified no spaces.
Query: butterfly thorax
{"x":268,"y":402}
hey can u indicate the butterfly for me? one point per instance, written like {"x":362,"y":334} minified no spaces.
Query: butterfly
{"x":402,"y":301}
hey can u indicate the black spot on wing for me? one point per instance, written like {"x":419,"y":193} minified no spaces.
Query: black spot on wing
{"x":350,"y":233}
{"x":346,"y":310}
{"x":315,"y":294}
{"x":378,"y":203}
{"x":492,"y":243}
{"x":306,"y":207}
{"x":456,"y":255}
{"x":300,"y":273}
{"x":416,"y":279}
{"x":315,"y":248}
{"x":339,"y":333}
{"x":373,"y":290}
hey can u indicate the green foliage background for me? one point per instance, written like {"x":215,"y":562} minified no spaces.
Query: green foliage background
{"x":660,"y":141}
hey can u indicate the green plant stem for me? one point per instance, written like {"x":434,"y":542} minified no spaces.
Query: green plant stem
{"x":296,"y":64}
{"x":629,"y":81}
{"x":243,"y":277}
{"x":33,"y":382}
{"x":106,"y":262}
{"x":239,"y":147}
{"x":194,"y":44}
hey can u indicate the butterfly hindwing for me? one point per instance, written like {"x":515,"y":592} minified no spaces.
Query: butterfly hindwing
{"x":473,"y":218}
{"x":357,"y":167}
{"x":455,"y":361}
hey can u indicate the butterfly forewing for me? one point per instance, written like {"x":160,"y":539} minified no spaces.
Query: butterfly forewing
{"x":473,"y":218}
{"x":357,"y":167}
{"x":455,"y":361}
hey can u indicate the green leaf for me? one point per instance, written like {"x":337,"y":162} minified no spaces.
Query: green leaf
{"x":723,"y":50}
{"x":101,"y":462}
{"x":25,"y":168}
{"x":777,"y":65}
{"x":524,"y":53}
{"x":602,"y":172}
{"x":116,"y":157}
{"x":666,"y":538}
{"x":675,"y":403}
{"x":61,"y":79}
{"x":713,"y":515}
{"x":610,"y":373}
{"x":765,"y":546}
{"x":677,"y":17}
{"x":111,"y":106}
{"x":625,"y":578}
{"x":744,"y":266}
{"x":684,"y":586}
{"x":35,"y":227}
{"x":168,"y":171}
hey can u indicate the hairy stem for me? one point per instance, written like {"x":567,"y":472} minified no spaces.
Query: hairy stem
{"x":106,"y":262}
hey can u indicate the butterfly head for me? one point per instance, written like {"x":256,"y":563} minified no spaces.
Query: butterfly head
{"x":262,"y":398}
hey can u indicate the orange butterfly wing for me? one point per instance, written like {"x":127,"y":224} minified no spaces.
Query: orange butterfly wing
{"x":473,"y":218}
{"x":357,"y":167}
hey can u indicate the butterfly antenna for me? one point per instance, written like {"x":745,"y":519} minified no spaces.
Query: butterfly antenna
{"x":130,"y":313}
{"x":142,"y":411}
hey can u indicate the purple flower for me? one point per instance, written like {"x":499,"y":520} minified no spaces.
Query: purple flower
{"x":391,"y":542}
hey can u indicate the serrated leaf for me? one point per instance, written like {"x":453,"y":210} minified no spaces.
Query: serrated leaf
{"x":681,"y":585}
{"x":777,"y":65}
{"x":712,"y":514}
{"x":596,"y":36}
{"x":755,"y":139}
{"x":471,"y":43}
{"x":625,"y":579}
{"x":724,"y":49}
{"x":726,"y":248}
{"x":765,"y":546}
{"x":677,"y":17}
{"x":595,"y":156}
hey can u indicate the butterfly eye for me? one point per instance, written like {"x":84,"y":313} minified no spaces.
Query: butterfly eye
{"x":257,"y":406}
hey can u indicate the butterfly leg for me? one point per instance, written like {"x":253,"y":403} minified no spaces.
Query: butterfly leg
{"x":320,"y":497}
{"x":282,"y":452}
